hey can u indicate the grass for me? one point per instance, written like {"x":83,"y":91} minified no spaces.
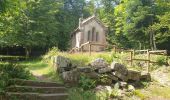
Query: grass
{"x":160,"y":91}
{"x":41,"y":70}
{"x":36,"y":66}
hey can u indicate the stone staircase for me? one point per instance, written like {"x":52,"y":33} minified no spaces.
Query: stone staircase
{"x":35,"y":90}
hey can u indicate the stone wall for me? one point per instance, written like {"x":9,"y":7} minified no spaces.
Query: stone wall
{"x":115,"y":71}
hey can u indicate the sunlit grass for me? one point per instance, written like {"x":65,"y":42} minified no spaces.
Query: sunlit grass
{"x":160,"y":91}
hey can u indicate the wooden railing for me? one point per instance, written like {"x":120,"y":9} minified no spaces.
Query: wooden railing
{"x":132,"y":57}
{"x":89,"y":44}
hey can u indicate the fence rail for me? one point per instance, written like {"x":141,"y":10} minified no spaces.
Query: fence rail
{"x":89,"y":44}
{"x":132,"y":56}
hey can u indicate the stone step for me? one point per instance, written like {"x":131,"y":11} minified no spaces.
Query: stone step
{"x":34,"y":89}
{"x":34,"y":83}
{"x":35,"y":96}
{"x":21,"y":96}
{"x":61,"y":96}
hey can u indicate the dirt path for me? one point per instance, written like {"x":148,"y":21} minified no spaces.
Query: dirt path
{"x":162,"y":75}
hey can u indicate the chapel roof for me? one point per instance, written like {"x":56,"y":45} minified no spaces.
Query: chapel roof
{"x":84,"y":21}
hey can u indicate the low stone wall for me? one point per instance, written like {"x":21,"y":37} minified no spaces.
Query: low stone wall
{"x":115,"y":71}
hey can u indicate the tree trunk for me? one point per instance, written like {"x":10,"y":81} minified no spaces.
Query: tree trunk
{"x":154,"y":43}
{"x":151,"y":40}
{"x":140,"y":45}
{"x":27,"y":52}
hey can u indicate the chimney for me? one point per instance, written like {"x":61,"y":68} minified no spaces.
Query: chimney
{"x":80,"y":22}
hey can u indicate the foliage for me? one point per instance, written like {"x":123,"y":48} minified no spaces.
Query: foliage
{"x":142,"y":24}
{"x":12,"y":58}
{"x":139,"y":94}
{"x":12,"y":71}
{"x":80,"y":94}
{"x":161,"y":60}
{"x":104,"y":79}
{"x":86,"y":83}
{"x":52,"y":52}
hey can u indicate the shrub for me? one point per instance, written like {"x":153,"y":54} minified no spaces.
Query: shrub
{"x":86,"y":83}
{"x":161,"y":60}
{"x":139,"y":94}
{"x":80,"y":94}
{"x":12,"y":58}
{"x":12,"y":71}
{"x":104,"y":79}
{"x":52,"y":52}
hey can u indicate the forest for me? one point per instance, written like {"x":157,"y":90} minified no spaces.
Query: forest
{"x":43,"y":24}
{"x":36,"y":62}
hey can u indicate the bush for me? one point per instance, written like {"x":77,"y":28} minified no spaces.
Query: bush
{"x":52,"y":52}
{"x":80,"y":94}
{"x":86,"y":83}
{"x":12,"y":58}
{"x":161,"y":60}
{"x":12,"y":71}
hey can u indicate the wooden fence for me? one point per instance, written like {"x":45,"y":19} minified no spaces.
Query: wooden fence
{"x":132,"y":55}
{"x":133,"y":58}
{"x":89,"y":44}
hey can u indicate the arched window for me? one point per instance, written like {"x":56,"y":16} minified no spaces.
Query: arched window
{"x":97,"y":36}
{"x":93,"y":34}
{"x":88,"y":37}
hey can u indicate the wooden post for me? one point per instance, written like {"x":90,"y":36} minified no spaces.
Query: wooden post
{"x":114,"y":48}
{"x":148,"y":62}
{"x":81,"y":49}
{"x":133,"y":53}
{"x":131,"y":59}
{"x":166,"y":54}
{"x":89,"y":48}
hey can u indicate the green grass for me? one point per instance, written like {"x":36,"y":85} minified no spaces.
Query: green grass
{"x":41,"y":70}
{"x":160,"y":91}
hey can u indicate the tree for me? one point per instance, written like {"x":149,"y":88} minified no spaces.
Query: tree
{"x":161,"y":26}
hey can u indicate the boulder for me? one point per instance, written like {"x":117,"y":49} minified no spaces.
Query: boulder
{"x":70,"y":76}
{"x":145,"y":76}
{"x":93,"y":75}
{"x":113,"y":78}
{"x":123,"y":84}
{"x":131,"y":88}
{"x":104,"y":70}
{"x":63,"y":63}
{"x":133,"y":75}
{"x":98,"y":63}
{"x":84,"y":69}
{"x":120,"y":76}
{"x":119,"y":68}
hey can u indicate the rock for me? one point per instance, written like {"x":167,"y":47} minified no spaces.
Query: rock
{"x":98,"y":63}
{"x":117,"y":86}
{"x":71,"y":76}
{"x":119,"y":68}
{"x":120,"y":76}
{"x":134,"y":75}
{"x":131,"y":88}
{"x":104,"y":70}
{"x":93,"y":75}
{"x":123,"y":84}
{"x":145,"y":76}
{"x":114,"y":78}
{"x":84,"y":69}
{"x":104,"y":89}
{"x":63,"y":63}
